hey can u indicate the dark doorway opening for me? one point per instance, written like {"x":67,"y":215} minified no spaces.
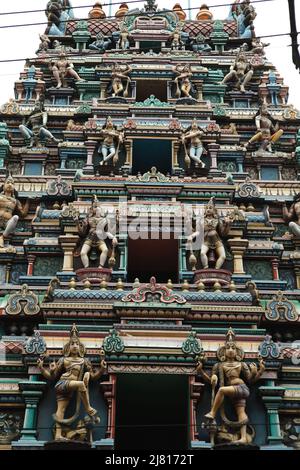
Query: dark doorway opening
{"x":145,"y":89}
{"x":152,"y":152}
{"x":152,"y":412}
{"x":147,"y":258}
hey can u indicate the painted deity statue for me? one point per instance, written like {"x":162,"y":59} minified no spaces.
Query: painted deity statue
{"x":101,"y":44}
{"x":292,"y":216}
{"x":94,"y":230}
{"x":73,"y":372}
{"x":241,"y":72}
{"x":215,"y":227}
{"x":58,"y":12}
{"x":124,"y":40}
{"x":176,"y":43}
{"x":62,"y":69}
{"x":9,"y":204}
{"x":193,"y":135}
{"x":232,"y":375}
{"x":34,"y":130}
{"x":112,"y":139}
{"x":267,"y":132}
{"x":183,"y":81}
{"x":119,"y":75}
{"x":199,"y":44}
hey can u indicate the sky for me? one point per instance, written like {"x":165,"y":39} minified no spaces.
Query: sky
{"x":22,"y":42}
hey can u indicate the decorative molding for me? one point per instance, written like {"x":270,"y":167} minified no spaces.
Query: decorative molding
{"x":24,"y":301}
{"x":153,"y":291}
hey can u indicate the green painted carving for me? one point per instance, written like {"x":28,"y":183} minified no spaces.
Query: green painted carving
{"x":268,"y":349}
{"x":219,"y":111}
{"x":84,"y":109}
{"x":82,"y":26}
{"x":153,"y":102}
{"x":259,"y":270}
{"x":113,"y":343}
{"x":36,"y":344}
{"x":192,"y":345}
{"x":228,"y":167}
{"x":47,"y":266}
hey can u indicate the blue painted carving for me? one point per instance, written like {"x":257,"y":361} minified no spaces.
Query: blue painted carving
{"x":268,"y":349}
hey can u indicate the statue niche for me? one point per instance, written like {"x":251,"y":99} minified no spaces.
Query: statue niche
{"x":120,"y":86}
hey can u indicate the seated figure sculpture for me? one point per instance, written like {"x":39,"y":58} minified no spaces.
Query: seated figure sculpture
{"x":101,"y":44}
{"x":62,"y":69}
{"x":193,"y":135}
{"x":58,"y":12}
{"x":34,"y":130}
{"x":214,"y":228}
{"x":199,"y":45}
{"x":241,"y":72}
{"x":292,"y":216}
{"x":267,"y":132}
{"x":230,"y":373}
{"x":9,"y":205}
{"x":73,"y":373}
{"x":94,"y":230}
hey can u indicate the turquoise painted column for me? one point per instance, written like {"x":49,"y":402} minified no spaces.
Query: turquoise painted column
{"x":32,"y":391}
{"x":272,"y":397}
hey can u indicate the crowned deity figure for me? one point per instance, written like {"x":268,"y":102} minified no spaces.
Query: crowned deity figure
{"x":193,"y":135}
{"x":73,"y":373}
{"x":112,"y":140}
{"x":62,"y":69}
{"x":10,"y":206}
{"x":268,"y":132}
{"x":101,"y":44}
{"x":241,"y":72}
{"x":124,"y":40}
{"x":214,"y":227}
{"x":183,"y":83}
{"x":292,"y":215}
{"x":34,"y":130}
{"x":176,"y":43}
{"x":94,"y":230}
{"x":119,"y":85}
{"x":232,"y":375}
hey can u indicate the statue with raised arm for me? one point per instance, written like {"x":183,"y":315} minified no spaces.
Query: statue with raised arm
{"x":73,"y":373}
{"x":112,"y":140}
{"x":232,"y":375}
{"x":215,"y":227}
{"x":183,"y":81}
{"x":94,"y":230}
{"x":10,"y":210}
{"x":268,"y":132}
{"x":195,"y":150}
{"x":35,"y":129}
{"x":292,"y":216}
{"x":120,"y":76}
{"x":241,"y":72}
{"x":62,"y":69}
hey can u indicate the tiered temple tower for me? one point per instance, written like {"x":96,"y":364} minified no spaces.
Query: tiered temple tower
{"x":150,"y":237}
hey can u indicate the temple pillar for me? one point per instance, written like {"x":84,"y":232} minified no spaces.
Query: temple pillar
{"x":275,"y":264}
{"x":213,"y":152}
{"x":31,"y":259}
{"x":90,"y":146}
{"x":272,"y":397}
{"x":238,"y":247}
{"x":32,"y":391}
{"x":129,"y":155}
{"x":68,"y":243}
{"x":109,"y":389}
{"x":175,"y":150}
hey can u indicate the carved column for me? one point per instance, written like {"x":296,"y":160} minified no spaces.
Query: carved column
{"x":175,"y":150}
{"x":275,"y":264}
{"x":109,"y":389}
{"x":213,"y":151}
{"x":272,"y":397}
{"x":68,"y":243}
{"x":195,"y":393}
{"x":32,"y":392}
{"x":129,"y":151}
{"x":31,"y":259}
{"x":238,"y":247}
{"x":90,"y":146}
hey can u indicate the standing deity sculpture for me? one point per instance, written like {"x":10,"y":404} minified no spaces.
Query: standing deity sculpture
{"x":184,"y":86}
{"x":124,"y":40}
{"x":34,"y":130}
{"x":62,"y":69}
{"x":101,"y":44}
{"x":214,"y":228}
{"x":94,"y":230}
{"x":267,"y":131}
{"x":241,"y":72}
{"x":119,"y":75}
{"x":9,"y":205}
{"x":231,"y":374}
{"x":193,"y":135}
{"x":176,"y":41}
{"x":292,"y":216}
{"x":73,"y":372}
{"x":112,"y":140}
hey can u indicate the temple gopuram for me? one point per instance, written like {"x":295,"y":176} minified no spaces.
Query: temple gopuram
{"x":150,"y":237}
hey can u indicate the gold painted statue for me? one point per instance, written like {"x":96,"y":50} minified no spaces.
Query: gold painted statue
{"x":9,"y":204}
{"x":94,"y":228}
{"x":231,"y":374}
{"x":267,"y":133}
{"x":73,"y":372}
{"x":63,"y":68}
{"x":120,"y":74}
{"x":215,"y":227}
{"x":183,"y":81}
